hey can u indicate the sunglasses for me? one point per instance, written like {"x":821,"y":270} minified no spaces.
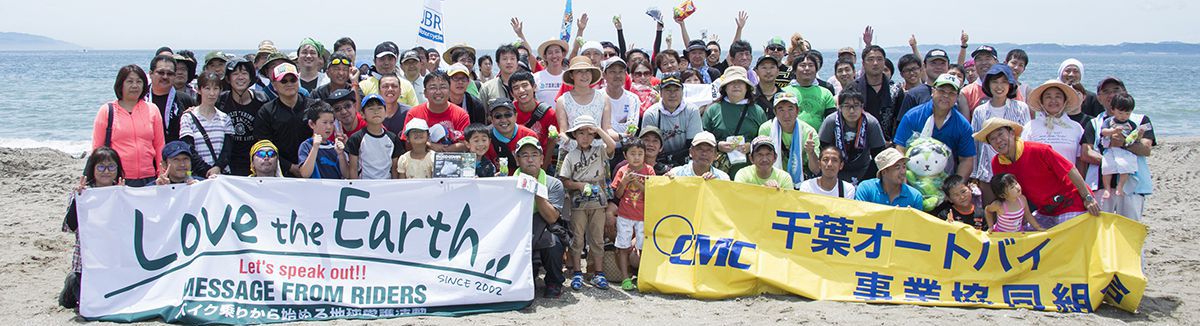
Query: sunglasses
{"x":340,"y":61}
{"x":288,"y":80}
{"x":164,"y":73}
{"x":106,"y":168}
{"x":265,"y":153}
{"x":499,"y":116}
{"x":775,"y":48}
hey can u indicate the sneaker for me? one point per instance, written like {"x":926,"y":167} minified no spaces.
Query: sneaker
{"x":577,"y":281}
{"x":628,"y":285}
{"x":553,"y":291}
{"x":599,"y":281}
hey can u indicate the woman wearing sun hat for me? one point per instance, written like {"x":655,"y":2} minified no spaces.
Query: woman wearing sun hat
{"x":583,"y":99}
{"x":1052,"y":126}
{"x":735,"y":114}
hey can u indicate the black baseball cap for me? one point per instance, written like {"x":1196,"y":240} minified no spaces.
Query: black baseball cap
{"x":936,"y":54}
{"x":697,"y":45}
{"x":984,"y":49}
{"x":175,"y":148}
{"x":386,"y":48}
{"x":501,"y":103}
{"x":340,"y":95}
{"x":671,"y":79}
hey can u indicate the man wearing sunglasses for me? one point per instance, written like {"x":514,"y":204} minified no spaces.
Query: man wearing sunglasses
{"x":282,"y":119}
{"x":171,"y":103}
{"x":338,"y":73}
{"x":505,"y":132}
{"x":264,"y":160}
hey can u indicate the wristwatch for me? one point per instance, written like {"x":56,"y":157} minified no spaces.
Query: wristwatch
{"x":1089,"y":198}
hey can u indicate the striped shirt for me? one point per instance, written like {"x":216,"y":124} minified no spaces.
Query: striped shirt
{"x":215,"y":126}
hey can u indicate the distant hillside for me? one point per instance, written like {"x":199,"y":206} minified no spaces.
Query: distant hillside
{"x":10,"y":41}
{"x":1049,"y":48}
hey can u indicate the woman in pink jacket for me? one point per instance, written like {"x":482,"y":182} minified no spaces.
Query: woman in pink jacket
{"x":132,"y":127}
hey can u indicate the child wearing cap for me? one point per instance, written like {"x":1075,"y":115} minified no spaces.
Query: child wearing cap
{"x":373,"y":151}
{"x":330,"y":159}
{"x":763,"y":171}
{"x":629,"y":184}
{"x":583,"y":173}
{"x":418,"y":162}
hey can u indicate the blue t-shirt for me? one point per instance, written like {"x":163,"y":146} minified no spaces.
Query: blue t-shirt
{"x":327,"y":160}
{"x":872,"y":191}
{"x":955,"y":133}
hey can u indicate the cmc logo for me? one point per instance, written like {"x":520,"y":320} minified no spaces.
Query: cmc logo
{"x":708,"y":251}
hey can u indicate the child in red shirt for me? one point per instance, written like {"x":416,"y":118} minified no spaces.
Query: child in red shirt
{"x":629,"y":185}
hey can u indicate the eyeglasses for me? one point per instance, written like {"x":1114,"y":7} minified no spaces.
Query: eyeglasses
{"x":342,"y":107}
{"x":106,"y":168}
{"x":851,"y":106}
{"x":265,"y":153}
{"x":911,"y":70}
{"x":499,"y":116}
{"x":460,"y":79}
{"x":340,"y":61}
{"x":164,"y":73}
{"x":287,"y":80}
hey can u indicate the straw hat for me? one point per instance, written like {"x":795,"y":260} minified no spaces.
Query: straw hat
{"x":1035,"y":97}
{"x":446,"y":56}
{"x":547,"y":44}
{"x":996,"y":123}
{"x":580,"y":63}
{"x":734,"y":73}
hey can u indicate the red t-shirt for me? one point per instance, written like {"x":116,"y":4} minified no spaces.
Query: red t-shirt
{"x":522,"y":132}
{"x":541,"y":128}
{"x":633,"y":204}
{"x":1043,"y":174}
{"x":454,"y":120}
{"x":362,"y":123}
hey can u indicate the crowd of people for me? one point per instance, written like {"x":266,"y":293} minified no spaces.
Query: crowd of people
{"x":591,"y":120}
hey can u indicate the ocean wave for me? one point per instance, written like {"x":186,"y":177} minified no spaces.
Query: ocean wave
{"x":72,"y":147}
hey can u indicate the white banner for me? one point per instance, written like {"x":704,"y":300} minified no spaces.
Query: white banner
{"x":241,"y":250}
{"x":431,"y":30}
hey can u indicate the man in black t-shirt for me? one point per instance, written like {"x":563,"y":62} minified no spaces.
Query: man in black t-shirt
{"x":241,"y":104}
{"x":171,"y":103}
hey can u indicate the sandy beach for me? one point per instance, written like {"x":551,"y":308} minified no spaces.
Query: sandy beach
{"x":34,"y":184}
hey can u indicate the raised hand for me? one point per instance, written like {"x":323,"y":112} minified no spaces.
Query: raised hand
{"x":912,"y":40}
{"x":617,"y":22}
{"x":518,"y":27}
{"x":964,"y":39}
{"x":741,"y":19}
{"x":583,"y":20}
{"x":868,"y":35}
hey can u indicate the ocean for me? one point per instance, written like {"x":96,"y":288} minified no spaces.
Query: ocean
{"x":50,"y":99}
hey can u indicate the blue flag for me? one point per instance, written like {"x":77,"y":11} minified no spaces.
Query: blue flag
{"x":568,"y":20}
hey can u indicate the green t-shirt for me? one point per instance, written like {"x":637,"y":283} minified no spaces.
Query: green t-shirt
{"x":748,"y":175}
{"x":806,"y":132}
{"x":720,"y":118}
{"x":814,"y":100}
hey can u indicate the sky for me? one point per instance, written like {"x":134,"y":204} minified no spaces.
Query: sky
{"x":226,"y":24}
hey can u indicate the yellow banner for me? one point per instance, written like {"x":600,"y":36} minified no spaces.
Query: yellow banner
{"x":719,"y":239}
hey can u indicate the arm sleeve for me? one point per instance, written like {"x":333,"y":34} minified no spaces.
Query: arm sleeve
{"x":99,"y":126}
{"x":904,"y":131}
{"x":621,"y":44}
{"x":226,"y":151}
{"x":354,"y":141}
{"x":657,"y":46}
{"x":397,"y":145}
{"x":556,"y":193}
